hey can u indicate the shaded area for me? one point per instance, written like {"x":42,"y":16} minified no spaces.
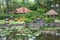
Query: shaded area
{"x":48,"y":37}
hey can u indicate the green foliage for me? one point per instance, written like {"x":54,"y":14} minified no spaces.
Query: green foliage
{"x":27,"y":20}
{"x":3,"y":16}
{"x":47,"y":20}
{"x":42,"y":10}
{"x":31,"y":15}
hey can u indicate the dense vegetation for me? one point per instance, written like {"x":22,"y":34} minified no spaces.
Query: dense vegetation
{"x":38,"y":10}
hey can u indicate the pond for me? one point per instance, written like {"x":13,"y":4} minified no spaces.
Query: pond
{"x":2,"y":38}
{"x":48,"y":37}
{"x":40,"y":37}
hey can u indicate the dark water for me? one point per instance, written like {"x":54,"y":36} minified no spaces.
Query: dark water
{"x":48,"y":37}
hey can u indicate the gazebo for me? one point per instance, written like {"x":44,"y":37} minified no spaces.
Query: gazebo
{"x":52,"y":13}
{"x":22,"y":10}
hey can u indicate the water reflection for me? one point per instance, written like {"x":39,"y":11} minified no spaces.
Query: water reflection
{"x":32,"y":38}
{"x":2,"y":38}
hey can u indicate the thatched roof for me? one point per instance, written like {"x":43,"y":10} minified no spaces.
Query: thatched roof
{"x":52,"y":12}
{"x":22,"y":10}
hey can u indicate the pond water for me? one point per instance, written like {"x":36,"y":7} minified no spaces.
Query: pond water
{"x":2,"y":38}
{"x":48,"y":37}
{"x":33,"y":38}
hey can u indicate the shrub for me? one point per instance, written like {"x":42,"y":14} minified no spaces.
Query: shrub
{"x":47,"y":20}
{"x":3,"y":16}
{"x":27,"y":20}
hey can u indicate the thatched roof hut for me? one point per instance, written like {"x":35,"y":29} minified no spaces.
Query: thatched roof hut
{"x":52,"y":12}
{"x":22,"y":10}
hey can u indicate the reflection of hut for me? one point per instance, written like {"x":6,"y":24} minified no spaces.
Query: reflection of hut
{"x":52,"y":13}
{"x":22,"y":10}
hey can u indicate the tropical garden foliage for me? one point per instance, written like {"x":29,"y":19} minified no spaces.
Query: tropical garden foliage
{"x":38,"y":10}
